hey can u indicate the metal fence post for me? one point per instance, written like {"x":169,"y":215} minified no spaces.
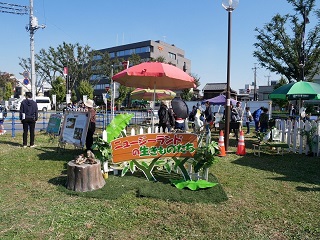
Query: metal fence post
{"x":13,"y":133}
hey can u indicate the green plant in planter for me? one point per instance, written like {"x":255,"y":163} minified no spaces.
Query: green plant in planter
{"x":206,"y":156}
{"x":113,"y":130}
{"x":309,"y":134}
{"x":264,"y":136}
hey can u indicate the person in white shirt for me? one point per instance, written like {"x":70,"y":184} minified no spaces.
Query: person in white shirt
{"x":248,"y":119}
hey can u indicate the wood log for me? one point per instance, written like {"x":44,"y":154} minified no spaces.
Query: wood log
{"x":84,"y":177}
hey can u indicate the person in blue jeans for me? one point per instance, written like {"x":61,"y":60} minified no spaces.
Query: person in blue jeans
{"x":256,"y":117}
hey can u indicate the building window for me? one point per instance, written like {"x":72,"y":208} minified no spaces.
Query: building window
{"x":127,"y":52}
{"x":97,"y":57}
{"x":120,"y":54}
{"x":172,"y":55}
{"x":112,"y":54}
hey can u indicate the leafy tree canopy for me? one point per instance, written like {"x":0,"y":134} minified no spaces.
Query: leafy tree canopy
{"x":7,"y":81}
{"x":82,"y":62}
{"x":283,"y":46}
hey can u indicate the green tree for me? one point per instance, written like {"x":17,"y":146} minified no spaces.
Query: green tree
{"x":6,"y":79}
{"x":82,"y":62}
{"x":59,"y":89}
{"x":187,"y":94}
{"x":280,"y":102}
{"x":8,"y":91}
{"x":85,"y":88}
{"x":282,"y":44}
{"x":74,"y":97}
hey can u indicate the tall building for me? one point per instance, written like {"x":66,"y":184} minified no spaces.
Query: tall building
{"x":147,"y":50}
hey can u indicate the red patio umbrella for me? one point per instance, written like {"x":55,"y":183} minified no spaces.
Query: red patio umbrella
{"x":155,"y":75}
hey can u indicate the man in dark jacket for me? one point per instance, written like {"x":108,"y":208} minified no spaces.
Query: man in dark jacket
{"x":28,"y":117}
{"x":165,"y":115}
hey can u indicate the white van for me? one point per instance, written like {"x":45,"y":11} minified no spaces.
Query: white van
{"x":44,"y":104}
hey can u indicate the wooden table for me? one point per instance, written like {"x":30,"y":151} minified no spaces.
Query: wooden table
{"x":259,"y":146}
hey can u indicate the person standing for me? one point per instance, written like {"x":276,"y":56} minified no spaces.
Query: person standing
{"x":264,"y":120}
{"x":164,"y":118}
{"x":92,"y":124}
{"x":240,"y":113}
{"x":3,"y":115}
{"x":248,"y":118}
{"x":292,"y":112}
{"x":28,"y":116}
{"x":234,"y":118}
{"x":208,"y":116}
{"x":256,"y":117}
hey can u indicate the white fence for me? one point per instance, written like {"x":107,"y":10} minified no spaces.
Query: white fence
{"x":299,"y":135}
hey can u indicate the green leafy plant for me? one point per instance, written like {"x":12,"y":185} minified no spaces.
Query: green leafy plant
{"x":264,"y":136}
{"x":117,"y":125}
{"x":205,"y":156}
{"x":192,"y":185}
{"x":114,"y":129}
{"x":309,"y":134}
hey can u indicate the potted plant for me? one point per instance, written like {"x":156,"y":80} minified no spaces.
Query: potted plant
{"x":206,"y":156}
{"x":112,"y":131}
{"x":309,"y":134}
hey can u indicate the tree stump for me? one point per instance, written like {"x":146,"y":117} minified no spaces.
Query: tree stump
{"x":84,"y":177}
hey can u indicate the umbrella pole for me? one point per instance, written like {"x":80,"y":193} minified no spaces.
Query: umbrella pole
{"x":154,"y":104}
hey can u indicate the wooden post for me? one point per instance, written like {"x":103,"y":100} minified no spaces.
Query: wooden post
{"x":84,"y":177}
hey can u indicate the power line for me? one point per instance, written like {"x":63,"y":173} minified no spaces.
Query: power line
{"x":13,"y":8}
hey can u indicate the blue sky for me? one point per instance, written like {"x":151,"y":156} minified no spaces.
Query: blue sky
{"x":198,"y":27}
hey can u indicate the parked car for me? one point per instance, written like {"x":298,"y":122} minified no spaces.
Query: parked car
{"x":44,"y":104}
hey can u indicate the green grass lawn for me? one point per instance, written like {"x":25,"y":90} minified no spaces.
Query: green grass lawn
{"x":267,"y":197}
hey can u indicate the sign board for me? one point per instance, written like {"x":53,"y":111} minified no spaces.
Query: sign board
{"x":65,"y":71}
{"x":25,"y":74}
{"x":26,"y":81}
{"x":54,"y":124}
{"x":54,"y":99}
{"x":74,"y":128}
{"x":154,"y":145}
{"x":84,"y":98}
{"x":68,"y":98}
{"x":116,"y":89}
{"x":105,"y":97}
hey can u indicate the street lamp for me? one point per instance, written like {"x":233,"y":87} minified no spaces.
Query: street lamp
{"x":302,"y":59}
{"x":228,"y":5}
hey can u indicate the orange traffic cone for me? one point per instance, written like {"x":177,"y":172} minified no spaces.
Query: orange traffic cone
{"x":241,"y":146}
{"x":221,"y":145}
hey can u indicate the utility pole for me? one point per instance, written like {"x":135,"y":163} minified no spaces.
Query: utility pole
{"x":33,"y":26}
{"x":255,"y":83}
{"x":268,"y":79}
